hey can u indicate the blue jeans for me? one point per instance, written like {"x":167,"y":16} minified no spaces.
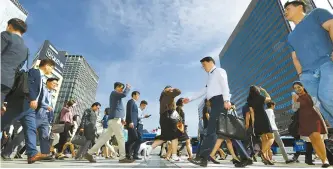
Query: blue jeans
{"x":319,"y":84}
{"x":42,"y":126}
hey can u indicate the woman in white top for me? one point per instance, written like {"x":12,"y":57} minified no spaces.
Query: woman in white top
{"x":271,"y":116}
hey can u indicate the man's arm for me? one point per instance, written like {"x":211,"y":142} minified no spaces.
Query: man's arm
{"x":4,"y":41}
{"x":33,"y":86}
{"x":121,"y":95}
{"x":83,"y":120}
{"x":224,"y":83}
{"x":325,"y":19}
{"x":297,"y":64}
{"x":198,"y":95}
{"x":129,"y":109}
{"x":44,"y":105}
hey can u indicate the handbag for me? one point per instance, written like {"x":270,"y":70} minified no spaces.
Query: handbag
{"x":180,"y":127}
{"x":231,"y":126}
{"x":294,"y":125}
{"x":58,"y":128}
{"x":79,"y":140}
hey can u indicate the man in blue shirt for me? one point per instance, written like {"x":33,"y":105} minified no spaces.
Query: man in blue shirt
{"x":43,"y":114}
{"x":116,"y":121}
{"x":312,"y":52}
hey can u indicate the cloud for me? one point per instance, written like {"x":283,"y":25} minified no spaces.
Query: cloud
{"x":161,"y":43}
{"x":154,"y":28}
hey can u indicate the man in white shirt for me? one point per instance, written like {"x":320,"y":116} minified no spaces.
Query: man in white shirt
{"x":277,"y":138}
{"x":142,"y":116}
{"x":218,"y":93}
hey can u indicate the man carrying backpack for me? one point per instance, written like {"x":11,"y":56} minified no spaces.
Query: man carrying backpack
{"x":13,"y":54}
{"x":27,"y":117}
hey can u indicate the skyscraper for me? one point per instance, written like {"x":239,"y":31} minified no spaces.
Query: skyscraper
{"x":257,"y":54}
{"x":79,"y":83}
{"x":11,"y":9}
{"x":49,"y":51}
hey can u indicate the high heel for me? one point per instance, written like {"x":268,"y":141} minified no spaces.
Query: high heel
{"x":213,"y":160}
{"x":234,"y":161}
{"x":263,"y":159}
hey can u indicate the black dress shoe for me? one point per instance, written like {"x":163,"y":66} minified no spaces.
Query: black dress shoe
{"x":235,"y":161}
{"x":18,"y":156}
{"x":213,"y":160}
{"x":249,"y":161}
{"x":201,"y":162}
{"x":6,"y":158}
{"x":290,"y":161}
{"x":241,"y":164}
{"x":137,"y":158}
{"x":325,"y":166}
{"x":309,"y":162}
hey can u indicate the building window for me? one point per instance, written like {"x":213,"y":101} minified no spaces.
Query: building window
{"x":326,"y":4}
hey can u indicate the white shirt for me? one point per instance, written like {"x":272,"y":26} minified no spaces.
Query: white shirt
{"x":141,"y":115}
{"x":43,"y":77}
{"x":271,"y":117}
{"x":217,"y":84}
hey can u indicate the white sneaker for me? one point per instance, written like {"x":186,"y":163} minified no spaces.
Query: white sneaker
{"x":177,"y":159}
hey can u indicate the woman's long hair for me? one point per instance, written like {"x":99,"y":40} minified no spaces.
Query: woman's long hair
{"x":254,"y":92}
{"x":300,"y":83}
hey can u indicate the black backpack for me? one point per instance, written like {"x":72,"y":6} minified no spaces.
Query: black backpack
{"x":20,"y":87}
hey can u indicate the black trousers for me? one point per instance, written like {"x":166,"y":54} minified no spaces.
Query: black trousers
{"x":200,"y":143}
{"x":210,"y":137}
{"x":64,"y":136}
{"x":132,"y":145}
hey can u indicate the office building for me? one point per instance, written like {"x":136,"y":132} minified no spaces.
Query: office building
{"x":49,"y":51}
{"x":257,"y":54}
{"x":11,"y":9}
{"x":79,"y":84}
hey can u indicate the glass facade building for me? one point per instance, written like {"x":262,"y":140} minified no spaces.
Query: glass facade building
{"x":80,"y":83}
{"x":256,"y":54}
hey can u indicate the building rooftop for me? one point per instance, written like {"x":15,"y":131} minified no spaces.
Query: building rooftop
{"x":17,"y":3}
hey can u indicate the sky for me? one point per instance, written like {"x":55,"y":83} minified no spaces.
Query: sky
{"x":147,"y":44}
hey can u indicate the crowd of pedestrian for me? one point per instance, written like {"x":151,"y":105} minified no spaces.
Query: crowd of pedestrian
{"x":27,"y":110}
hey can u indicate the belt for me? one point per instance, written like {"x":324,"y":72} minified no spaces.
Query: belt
{"x":215,"y":97}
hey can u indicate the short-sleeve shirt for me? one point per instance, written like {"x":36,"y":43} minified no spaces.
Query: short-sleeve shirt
{"x":271,"y":117}
{"x":310,"y":41}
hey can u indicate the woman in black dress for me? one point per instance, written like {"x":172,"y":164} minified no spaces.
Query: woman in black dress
{"x":168,"y":121}
{"x":260,"y":121}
